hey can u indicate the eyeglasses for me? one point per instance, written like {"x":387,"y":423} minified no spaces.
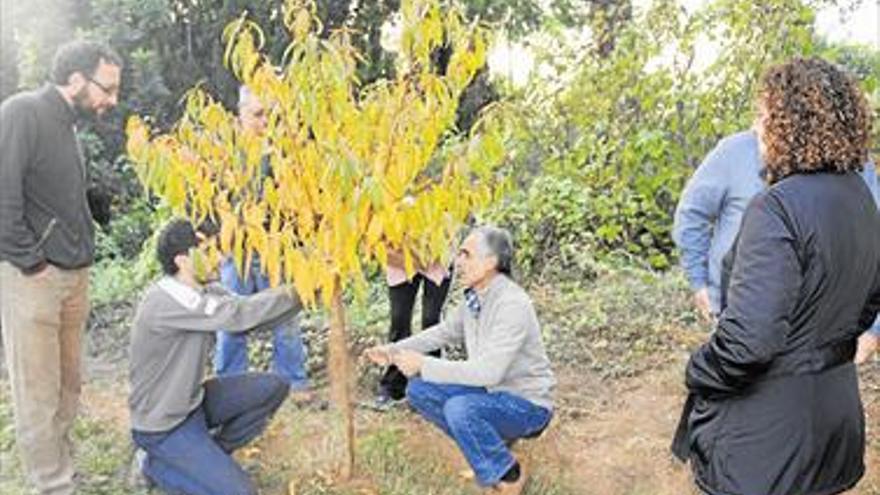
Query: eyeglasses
{"x":109,"y":91}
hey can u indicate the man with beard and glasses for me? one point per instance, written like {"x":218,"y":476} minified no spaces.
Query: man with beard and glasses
{"x":46,"y":248}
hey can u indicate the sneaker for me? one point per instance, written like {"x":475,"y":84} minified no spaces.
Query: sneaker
{"x":515,"y":488}
{"x":136,"y":477}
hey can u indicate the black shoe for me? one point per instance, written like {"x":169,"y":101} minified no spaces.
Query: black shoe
{"x":383,"y":402}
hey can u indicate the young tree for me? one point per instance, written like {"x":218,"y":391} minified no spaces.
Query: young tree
{"x":355,"y":171}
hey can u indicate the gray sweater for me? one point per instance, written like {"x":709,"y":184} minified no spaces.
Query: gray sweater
{"x":505,"y":352}
{"x":173,"y":332}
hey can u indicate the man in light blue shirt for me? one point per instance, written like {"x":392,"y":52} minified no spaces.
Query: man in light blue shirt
{"x":710,"y":210}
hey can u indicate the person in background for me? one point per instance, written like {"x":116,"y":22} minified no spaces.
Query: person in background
{"x":710,"y":210}
{"x":288,"y":350}
{"x":47,"y":244}
{"x":434,"y":281}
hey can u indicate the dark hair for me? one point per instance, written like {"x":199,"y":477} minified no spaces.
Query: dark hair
{"x":813,"y":118}
{"x":81,"y":56}
{"x":498,"y":243}
{"x":177,"y":238}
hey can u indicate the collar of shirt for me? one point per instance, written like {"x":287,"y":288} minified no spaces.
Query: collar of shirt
{"x":472,"y":301}
{"x":185,"y":295}
{"x":475,"y":299}
{"x":64,"y":110}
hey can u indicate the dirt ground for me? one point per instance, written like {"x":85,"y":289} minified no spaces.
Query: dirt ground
{"x":607,"y":438}
{"x":610,"y":435}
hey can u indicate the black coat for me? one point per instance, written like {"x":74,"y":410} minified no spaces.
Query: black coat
{"x":44,"y":211}
{"x":774,"y":393}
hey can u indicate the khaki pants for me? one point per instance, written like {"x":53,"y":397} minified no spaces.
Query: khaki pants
{"x":43,"y":317}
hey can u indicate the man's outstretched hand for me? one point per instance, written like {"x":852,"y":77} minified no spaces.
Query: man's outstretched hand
{"x":379,"y":354}
{"x":703,"y":306}
{"x":408,"y":362}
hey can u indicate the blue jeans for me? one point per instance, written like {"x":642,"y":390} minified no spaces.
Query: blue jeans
{"x":192,"y":459}
{"x":288,"y":351}
{"x":481,"y":422}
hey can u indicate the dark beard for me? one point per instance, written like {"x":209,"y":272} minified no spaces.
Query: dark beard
{"x":81,"y":106}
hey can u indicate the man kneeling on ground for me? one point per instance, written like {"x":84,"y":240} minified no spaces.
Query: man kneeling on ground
{"x":503,"y":391}
{"x":188,"y":427}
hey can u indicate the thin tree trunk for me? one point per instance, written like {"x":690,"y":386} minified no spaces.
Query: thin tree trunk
{"x":340,"y":379}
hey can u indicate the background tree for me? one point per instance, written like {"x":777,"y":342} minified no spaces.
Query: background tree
{"x":8,"y":50}
{"x":356,"y":169}
{"x":608,"y":139}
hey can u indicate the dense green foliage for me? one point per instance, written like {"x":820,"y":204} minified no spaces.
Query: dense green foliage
{"x":608,"y":139}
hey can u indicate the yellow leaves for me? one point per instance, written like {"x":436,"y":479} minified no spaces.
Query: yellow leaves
{"x":364,"y":209}
{"x":175,"y":190}
{"x":145,"y":156}
{"x":409,"y":263}
{"x":300,"y":271}
{"x":228,"y":229}
{"x":138,"y":137}
{"x":271,"y":260}
{"x":257,"y":240}
{"x":203,"y":196}
{"x":206,"y":258}
{"x":299,"y":17}
{"x":328,"y":287}
{"x":423,"y":28}
{"x":356,"y":171}
{"x":375,"y":230}
{"x":238,"y":254}
{"x":244,"y":39}
{"x":393,"y":188}
{"x":393,"y":228}
{"x":270,"y":194}
{"x":212,"y":116}
{"x":380,"y":252}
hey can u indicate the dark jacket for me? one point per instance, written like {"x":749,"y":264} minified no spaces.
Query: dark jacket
{"x":774,"y":393}
{"x":44,"y":213}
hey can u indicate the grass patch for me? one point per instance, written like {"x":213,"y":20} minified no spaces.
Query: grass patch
{"x":397,"y":454}
{"x":621,"y":323}
{"x":101,"y":455}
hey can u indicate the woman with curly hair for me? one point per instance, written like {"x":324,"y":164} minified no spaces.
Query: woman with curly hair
{"x":775,"y":406}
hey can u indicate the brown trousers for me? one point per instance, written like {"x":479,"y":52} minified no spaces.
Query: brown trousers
{"x":43,"y":317}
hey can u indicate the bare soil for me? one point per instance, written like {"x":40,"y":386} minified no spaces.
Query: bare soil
{"x":607,"y":438}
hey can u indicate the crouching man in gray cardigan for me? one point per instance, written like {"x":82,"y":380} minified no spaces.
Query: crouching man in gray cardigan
{"x":503,"y":390}
{"x":186,"y":426}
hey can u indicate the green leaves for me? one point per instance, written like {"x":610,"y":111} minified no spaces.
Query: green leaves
{"x":605,"y":143}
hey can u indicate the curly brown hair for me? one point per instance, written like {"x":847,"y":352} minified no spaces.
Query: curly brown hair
{"x":812,"y":118}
